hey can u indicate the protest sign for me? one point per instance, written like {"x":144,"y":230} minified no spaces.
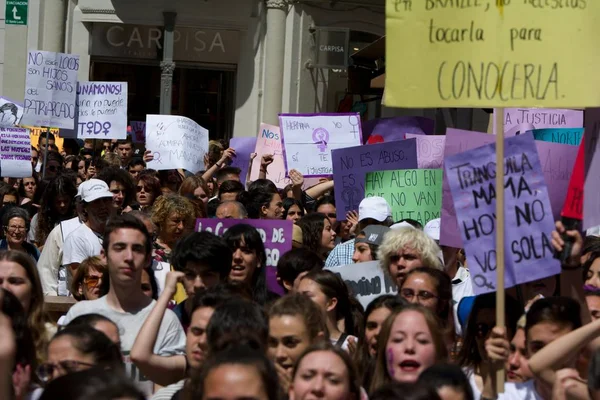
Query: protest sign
{"x":391,"y":129}
{"x":50,"y":89}
{"x":175,"y":142}
{"x":244,"y":147}
{"x":570,"y":136}
{"x":138,"y":131}
{"x":367,"y":281}
{"x":269,"y":142}
{"x":101,"y":111}
{"x":521,"y":120}
{"x":309,"y":139}
{"x":488,"y":54}
{"x":35,"y":132}
{"x":573,"y":207}
{"x":276,"y":235}
{"x":412,"y":193}
{"x":11,"y":113}
{"x":351,"y":165}
{"x":15,"y":153}
{"x":528,"y":253}
{"x":430,"y":150}
{"x":591,"y":202}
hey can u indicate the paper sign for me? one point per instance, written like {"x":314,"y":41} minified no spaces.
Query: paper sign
{"x":367,"y":281}
{"x":492,"y":53}
{"x":35,"y":132}
{"x":430,"y":150}
{"x":51,"y":85}
{"x":412,"y":193}
{"x":176,"y":142}
{"x":10,"y":113}
{"x":521,"y":120}
{"x":101,"y":111}
{"x":528,"y":220}
{"x":573,"y":207}
{"x":309,"y":139}
{"x":138,"y":131}
{"x":276,"y":235}
{"x":351,"y":165}
{"x":392,"y":129}
{"x":244,"y":147}
{"x":269,"y":142}
{"x":570,"y":136}
{"x":591,"y":202}
{"x":15,"y":153}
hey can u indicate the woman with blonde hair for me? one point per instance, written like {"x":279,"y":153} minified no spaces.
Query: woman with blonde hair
{"x":174,"y":216}
{"x":405,"y":249}
{"x":195,"y":188}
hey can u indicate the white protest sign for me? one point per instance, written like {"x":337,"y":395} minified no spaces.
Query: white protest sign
{"x":10,"y":113}
{"x":101,"y":110}
{"x":175,"y":142}
{"x":51,"y":84}
{"x":367,"y":281}
{"x":269,"y":142}
{"x":309,"y":139}
{"x":15,"y":153}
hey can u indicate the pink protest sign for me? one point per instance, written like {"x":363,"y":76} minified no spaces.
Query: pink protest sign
{"x":521,"y":120}
{"x":268,"y":141}
{"x":430,"y":150}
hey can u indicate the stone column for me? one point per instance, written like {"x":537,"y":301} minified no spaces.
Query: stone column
{"x":167,"y":65}
{"x":275,"y":55}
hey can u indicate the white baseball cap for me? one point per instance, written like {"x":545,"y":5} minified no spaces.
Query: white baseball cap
{"x":93,"y":190}
{"x":374,"y":207}
{"x":432,"y":229}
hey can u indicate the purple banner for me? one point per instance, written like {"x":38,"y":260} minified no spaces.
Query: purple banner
{"x":276,"y":235}
{"x":244,"y":146}
{"x":430,"y":150}
{"x":521,"y":120}
{"x":528,"y":219}
{"x":591,"y":190}
{"x":385,"y":130}
{"x":351,"y":165}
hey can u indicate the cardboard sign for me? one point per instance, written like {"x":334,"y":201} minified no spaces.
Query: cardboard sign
{"x":366,"y":281}
{"x":138,"y":131}
{"x":101,"y":111}
{"x":521,"y":120}
{"x":430,"y":150}
{"x":573,"y":207}
{"x":392,"y":129}
{"x":489,"y":53}
{"x":309,"y":139}
{"x":570,"y":136}
{"x":15,"y":153}
{"x":528,"y":219}
{"x":412,"y":193}
{"x":276,"y":235}
{"x":50,"y":89}
{"x":269,"y":142}
{"x":176,"y":142}
{"x":11,"y":113}
{"x":591,"y":202}
{"x":351,"y":165}
{"x":244,"y":147}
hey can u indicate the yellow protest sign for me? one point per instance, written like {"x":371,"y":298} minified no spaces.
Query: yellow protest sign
{"x":36,"y":131}
{"x":492,"y":53}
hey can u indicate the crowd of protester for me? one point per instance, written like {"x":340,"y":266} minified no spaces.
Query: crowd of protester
{"x":163,"y":312}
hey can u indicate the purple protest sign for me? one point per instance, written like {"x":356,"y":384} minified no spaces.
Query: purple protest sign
{"x":521,"y":120}
{"x":276,"y":235}
{"x":244,"y":147}
{"x":430,"y":150}
{"x":457,"y":141}
{"x":138,"y":131}
{"x":385,"y":130}
{"x":351,"y":165}
{"x":591,"y":190}
{"x":528,"y":220}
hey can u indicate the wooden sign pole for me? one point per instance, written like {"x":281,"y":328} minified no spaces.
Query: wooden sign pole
{"x":500,"y":300}
{"x":45,"y":151}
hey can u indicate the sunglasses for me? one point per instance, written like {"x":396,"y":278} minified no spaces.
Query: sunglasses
{"x":45,"y":371}
{"x":52,"y":168}
{"x":140,"y":188}
{"x":331,"y":215}
{"x":91,"y":281}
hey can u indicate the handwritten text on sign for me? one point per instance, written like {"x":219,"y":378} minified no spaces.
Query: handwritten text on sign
{"x":15,"y":153}
{"x":521,"y":120}
{"x":351,"y":165}
{"x":51,"y":84}
{"x":176,"y":142}
{"x":309,"y":140}
{"x":430,"y":150}
{"x":268,"y":141}
{"x":528,"y":217}
{"x":412,"y":193}
{"x":571,"y":136}
{"x":275,"y":234}
{"x":489,"y":52}
{"x":102,"y":110}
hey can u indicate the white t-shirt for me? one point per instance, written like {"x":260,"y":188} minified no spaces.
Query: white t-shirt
{"x":81,"y":244}
{"x":169,"y":341}
{"x":461,"y":287}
